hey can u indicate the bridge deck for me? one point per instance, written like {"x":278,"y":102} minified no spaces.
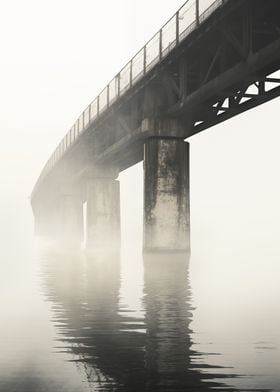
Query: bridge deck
{"x":212,"y":60}
{"x":189,"y":17}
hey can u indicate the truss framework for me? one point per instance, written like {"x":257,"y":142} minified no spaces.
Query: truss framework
{"x":235,"y":102}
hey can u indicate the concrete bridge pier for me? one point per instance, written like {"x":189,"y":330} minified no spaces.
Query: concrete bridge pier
{"x":103,"y":211}
{"x":70,"y":218}
{"x":44,"y":220}
{"x":166,"y":195}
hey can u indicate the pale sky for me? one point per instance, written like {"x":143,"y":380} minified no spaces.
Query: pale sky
{"x":56,"y":56}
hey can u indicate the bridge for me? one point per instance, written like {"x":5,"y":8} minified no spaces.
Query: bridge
{"x":211,"y":61}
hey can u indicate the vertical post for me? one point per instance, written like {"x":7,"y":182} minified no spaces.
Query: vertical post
{"x":98,"y":106}
{"x":197,"y":12}
{"x":166,"y":195}
{"x":118,"y":84}
{"x":183,"y":78}
{"x":70,"y":218}
{"x":130,"y":74}
{"x":103,"y":211}
{"x":45,"y":218}
{"x":177,"y":28}
{"x":89,"y":114}
{"x":160,"y":44}
{"x":261,"y":87}
{"x":108,"y":95}
{"x":144,"y":59}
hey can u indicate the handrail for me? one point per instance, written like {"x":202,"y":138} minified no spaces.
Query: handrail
{"x":189,"y":17}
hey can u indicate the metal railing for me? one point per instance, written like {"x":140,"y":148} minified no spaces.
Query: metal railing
{"x":191,"y":14}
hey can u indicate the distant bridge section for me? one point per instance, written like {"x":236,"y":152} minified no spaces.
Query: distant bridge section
{"x":211,"y":61}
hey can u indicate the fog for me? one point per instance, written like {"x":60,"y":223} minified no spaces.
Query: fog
{"x":55,"y":58}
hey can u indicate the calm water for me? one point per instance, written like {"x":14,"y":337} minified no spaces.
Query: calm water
{"x":77,"y":322}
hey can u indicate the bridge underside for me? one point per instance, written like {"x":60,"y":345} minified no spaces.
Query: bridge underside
{"x":223,"y":68}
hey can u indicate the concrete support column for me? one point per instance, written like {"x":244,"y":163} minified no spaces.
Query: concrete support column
{"x":47,"y":218}
{"x":69,"y":222}
{"x":42,"y":220}
{"x":166,"y":195}
{"x":103,"y":213}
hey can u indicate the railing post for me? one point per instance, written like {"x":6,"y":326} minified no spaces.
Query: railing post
{"x":118,"y":84}
{"x":144,"y":59}
{"x":108,"y":95}
{"x":130,"y":74}
{"x":89,"y":114}
{"x":160,"y":44}
{"x":177,"y":28}
{"x":98,"y":106}
{"x":197,"y":12}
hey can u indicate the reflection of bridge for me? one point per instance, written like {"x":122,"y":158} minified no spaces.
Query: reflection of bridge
{"x":211,"y":61}
{"x":116,"y":350}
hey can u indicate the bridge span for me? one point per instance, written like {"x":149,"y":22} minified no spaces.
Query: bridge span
{"x":211,"y":61}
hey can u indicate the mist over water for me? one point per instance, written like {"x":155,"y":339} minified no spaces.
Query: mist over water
{"x":71,"y":321}
{"x":75,"y":321}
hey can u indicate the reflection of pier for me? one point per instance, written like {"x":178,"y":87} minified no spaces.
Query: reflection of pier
{"x":85,"y":295}
{"x":168,"y":316}
{"x":110,"y":347}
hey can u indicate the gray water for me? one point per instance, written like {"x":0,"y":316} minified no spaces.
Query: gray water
{"x":72,"y":321}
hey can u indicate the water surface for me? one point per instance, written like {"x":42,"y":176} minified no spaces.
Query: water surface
{"x":73,"y":321}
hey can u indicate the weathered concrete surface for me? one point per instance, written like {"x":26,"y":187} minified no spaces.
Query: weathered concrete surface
{"x":200,"y":83}
{"x":103,"y":214}
{"x":166,"y":195}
